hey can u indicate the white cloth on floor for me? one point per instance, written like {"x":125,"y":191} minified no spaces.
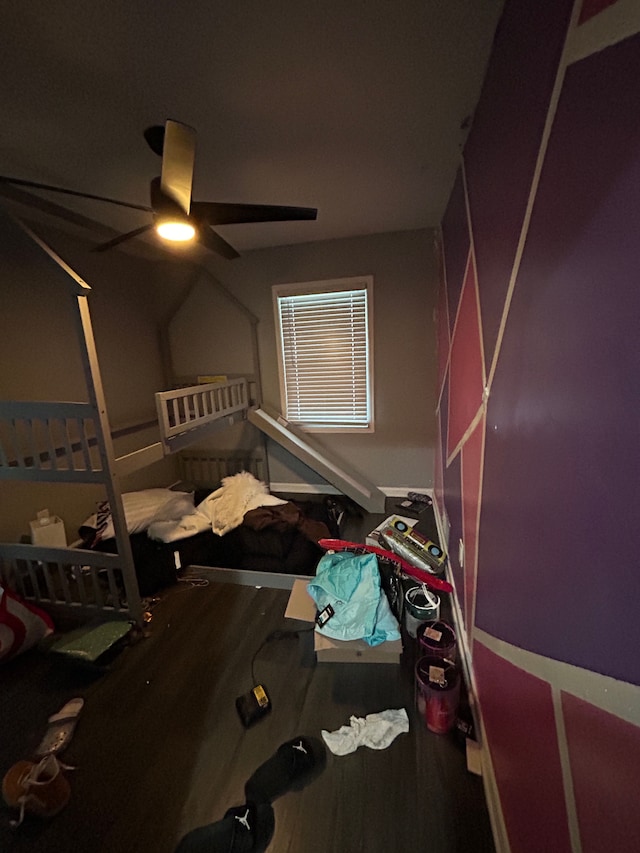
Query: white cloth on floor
{"x":376,"y":731}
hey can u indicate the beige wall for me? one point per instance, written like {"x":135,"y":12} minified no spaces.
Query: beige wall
{"x":400,"y":451}
{"x":40,"y":357}
{"x":131,"y":298}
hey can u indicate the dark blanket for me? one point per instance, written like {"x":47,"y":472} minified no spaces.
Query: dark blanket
{"x":282,"y":539}
{"x":283,"y":518}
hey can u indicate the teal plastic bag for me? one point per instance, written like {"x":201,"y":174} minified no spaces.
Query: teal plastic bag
{"x":350,"y":583}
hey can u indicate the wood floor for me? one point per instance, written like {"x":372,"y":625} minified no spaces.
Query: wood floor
{"x":159,"y":748}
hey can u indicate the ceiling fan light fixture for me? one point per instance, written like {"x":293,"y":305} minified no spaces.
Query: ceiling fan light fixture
{"x":175,"y":230}
{"x":175,"y":216}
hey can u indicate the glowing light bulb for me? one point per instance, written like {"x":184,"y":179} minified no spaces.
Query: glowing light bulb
{"x":175,"y":230}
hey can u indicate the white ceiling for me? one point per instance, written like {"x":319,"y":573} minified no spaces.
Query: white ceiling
{"x":357,"y":107}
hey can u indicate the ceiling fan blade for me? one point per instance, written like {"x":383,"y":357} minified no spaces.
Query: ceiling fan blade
{"x":37,"y":202}
{"x":18,"y":182}
{"x":155,"y":138}
{"x":161,"y":203}
{"x":121,"y":238}
{"x":221,"y":213}
{"x":214,"y":242}
{"x":178,"y":157}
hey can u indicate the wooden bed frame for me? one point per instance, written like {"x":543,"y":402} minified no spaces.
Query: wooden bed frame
{"x":72,"y":443}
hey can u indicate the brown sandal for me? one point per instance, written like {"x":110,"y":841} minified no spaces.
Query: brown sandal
{"x":39,"y":789}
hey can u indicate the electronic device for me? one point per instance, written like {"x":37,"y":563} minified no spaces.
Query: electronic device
{"x":416,"y":507}
{"x":413,"y":546}
{"x":254,"y":705}
{"x":416,"y":503}
{"x":419,"y":497}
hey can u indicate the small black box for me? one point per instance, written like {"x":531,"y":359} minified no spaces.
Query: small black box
{"x":253,"y":706}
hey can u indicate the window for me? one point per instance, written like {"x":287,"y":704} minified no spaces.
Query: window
{"x":324,"y":353}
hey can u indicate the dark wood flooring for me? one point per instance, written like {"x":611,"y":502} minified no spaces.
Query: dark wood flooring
{"x":159,"y":748}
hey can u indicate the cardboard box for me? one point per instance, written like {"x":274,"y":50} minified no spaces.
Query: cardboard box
{"x":302,"y":606}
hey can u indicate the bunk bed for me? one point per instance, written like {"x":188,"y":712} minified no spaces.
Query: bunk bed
{"x":72,"y":442}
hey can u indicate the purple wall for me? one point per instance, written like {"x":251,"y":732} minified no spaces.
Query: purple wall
{"x":500,"y":154}
{"x":556,"y":577}
{"x":561,"y":429}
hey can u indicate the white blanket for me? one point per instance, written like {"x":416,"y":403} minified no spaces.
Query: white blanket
{"x":221,"y":511}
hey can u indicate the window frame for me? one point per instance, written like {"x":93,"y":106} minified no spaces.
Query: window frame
{"x":353,"y":283}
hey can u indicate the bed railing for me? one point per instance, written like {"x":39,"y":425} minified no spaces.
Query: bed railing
{"x":184,"y":410}
{"x":49,"y":441}
{"x":60,"y":442}
{"x":57,"y":441}
{"x":88,"y":583}
{"x":206,"y":468}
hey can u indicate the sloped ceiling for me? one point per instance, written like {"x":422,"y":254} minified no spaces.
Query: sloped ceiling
{"x":357,"y":108}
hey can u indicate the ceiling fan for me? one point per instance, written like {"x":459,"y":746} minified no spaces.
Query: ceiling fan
{"x":175,"y":216}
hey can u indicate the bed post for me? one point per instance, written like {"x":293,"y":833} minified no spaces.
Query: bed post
{"x":107,"y":456}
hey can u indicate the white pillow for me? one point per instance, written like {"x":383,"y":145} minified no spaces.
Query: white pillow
{"x":144,"y":507}
{"x":180,"y":504}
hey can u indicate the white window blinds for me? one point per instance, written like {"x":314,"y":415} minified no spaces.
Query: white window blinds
{"x":324,"y":362}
